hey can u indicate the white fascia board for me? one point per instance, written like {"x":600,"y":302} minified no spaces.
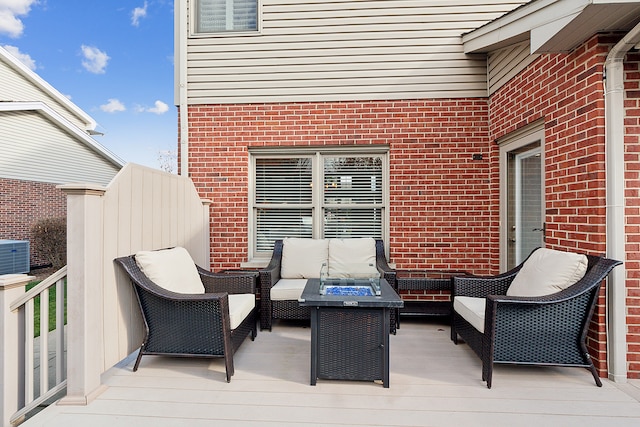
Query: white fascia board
{"x":90,"y":123}
{"x":65,"y":124}
{"x":516,"y":25}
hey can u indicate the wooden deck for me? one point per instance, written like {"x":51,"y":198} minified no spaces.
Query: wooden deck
{"x":433,"y":383}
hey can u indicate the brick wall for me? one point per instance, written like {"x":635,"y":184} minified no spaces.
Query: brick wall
{"x":567,"y":92}
{"x":632,"y":210}
{"x":441,"y":200}
{"x":22,"y":203}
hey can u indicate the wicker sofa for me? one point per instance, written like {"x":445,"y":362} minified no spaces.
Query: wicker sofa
{"x":188,"y":311}
{"x":535,"y":314}
{"x":295,"y":260}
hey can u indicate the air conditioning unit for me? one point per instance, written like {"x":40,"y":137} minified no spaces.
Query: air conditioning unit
{"x":14,"y":256}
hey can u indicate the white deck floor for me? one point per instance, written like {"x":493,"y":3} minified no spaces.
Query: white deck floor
{"x":433,"y":383}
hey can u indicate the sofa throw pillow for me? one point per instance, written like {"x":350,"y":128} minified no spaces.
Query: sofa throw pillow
{"x":548,"y":271}
{"x":303,"y":258}
{"x":172,"y":269}
{"x":352,"y":257}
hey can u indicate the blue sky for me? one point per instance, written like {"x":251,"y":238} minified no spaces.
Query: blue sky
{"x":112,"y":58}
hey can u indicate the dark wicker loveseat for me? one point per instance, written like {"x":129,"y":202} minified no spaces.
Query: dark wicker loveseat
{"x":191,"y":325}
{"x":542,"y":330}
{"x":291,"y":309}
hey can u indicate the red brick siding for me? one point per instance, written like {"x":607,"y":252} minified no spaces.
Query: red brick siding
{"x":567,"y":91}
{"x":441,"y":201}
{"x":632,"y":210}
{"x":22,"y":203}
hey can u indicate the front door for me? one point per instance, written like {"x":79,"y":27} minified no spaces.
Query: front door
{"x":522,"y":197}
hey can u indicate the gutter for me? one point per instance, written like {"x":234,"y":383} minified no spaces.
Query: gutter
{"x":180,"y":40}
{"x":615,"y":223}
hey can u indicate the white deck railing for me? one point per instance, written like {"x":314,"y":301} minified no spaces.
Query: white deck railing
{"x":39,"y":383}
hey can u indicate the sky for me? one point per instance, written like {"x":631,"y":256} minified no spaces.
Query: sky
{"x":112,"y":58}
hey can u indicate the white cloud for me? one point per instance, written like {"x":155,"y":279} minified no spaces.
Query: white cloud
{"x":95,"y":60}
{"x":10,"y":11}
{"x":137,"y":14}
{"x":22,"y":57}
{"x":160,"y":108}
{"x":113,"y":106}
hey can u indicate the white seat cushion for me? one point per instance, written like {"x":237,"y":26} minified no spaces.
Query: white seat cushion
{"x":172,"y":269}
{"x":288,"y":289}
{"x":546,"y":272}
{"x":472,"y":310}
{"x":352,"y":257}
{"x":240,"y":305}
{"x":303,"y":258}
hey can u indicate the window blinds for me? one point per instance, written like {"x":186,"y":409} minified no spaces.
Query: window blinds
{"x":352,"y":197}
{"x":349,"y":198}
{"x":214,"y":16}
{"x":283,"y":200}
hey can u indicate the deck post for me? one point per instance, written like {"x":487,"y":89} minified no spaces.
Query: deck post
{"x":85,"y":251}
{"x":12,"y":286}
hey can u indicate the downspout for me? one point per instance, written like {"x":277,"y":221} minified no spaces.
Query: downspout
{"x":615,"y":222}
{"x":180,"y":41}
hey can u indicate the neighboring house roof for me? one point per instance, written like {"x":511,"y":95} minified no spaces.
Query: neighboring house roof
{"x":45,"y":137}
{"x":553,"y":25}
{"x":45,"y":88}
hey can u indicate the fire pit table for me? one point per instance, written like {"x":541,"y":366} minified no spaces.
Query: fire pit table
{"x":350,"y":328}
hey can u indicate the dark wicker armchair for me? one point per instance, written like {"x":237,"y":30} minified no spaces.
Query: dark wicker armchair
{"x":191,"y":325}
{"x":545,"y":330}
{"x":291,"y":309}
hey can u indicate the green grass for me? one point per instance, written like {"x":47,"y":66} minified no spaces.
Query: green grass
{"x":52,"y":308}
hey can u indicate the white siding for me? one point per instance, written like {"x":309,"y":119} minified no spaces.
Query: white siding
{"x":506,"y":63}
{"x":14,"y":87}
{"x":35,"y":149}
{"x":344,"y":50}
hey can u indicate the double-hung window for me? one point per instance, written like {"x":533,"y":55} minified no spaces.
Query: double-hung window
{"x":219,"y":16}
{"x":317,"y":194}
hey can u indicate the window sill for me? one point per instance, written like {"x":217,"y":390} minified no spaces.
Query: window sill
{"x":255,"y":263}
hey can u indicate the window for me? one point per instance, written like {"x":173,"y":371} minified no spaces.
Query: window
{"x":218,"y":16}
{"x":317,"y":195}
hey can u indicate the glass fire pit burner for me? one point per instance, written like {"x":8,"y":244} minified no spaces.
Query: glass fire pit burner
{"x":358,"y":291}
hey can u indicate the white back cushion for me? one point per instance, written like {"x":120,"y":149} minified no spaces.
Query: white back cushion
{"x":352,"y":257}
{"x":172,"y":269}
{"x":303,"y":258}
{"x":548,"y":271}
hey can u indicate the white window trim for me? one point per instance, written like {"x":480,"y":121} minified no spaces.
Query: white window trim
{"x":318,"y":153}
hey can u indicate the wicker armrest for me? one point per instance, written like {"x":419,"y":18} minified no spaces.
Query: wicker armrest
{"x":383,"y":267}
{"x":236,"y":283}
{"x":481,"y":287}
{"x":270,"y":275}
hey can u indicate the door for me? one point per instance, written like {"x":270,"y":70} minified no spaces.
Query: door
{"x":521,"y":196}
{"x":528,"y":219}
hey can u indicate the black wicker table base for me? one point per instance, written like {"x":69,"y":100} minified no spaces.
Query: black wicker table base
{"x":350,"y":335}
